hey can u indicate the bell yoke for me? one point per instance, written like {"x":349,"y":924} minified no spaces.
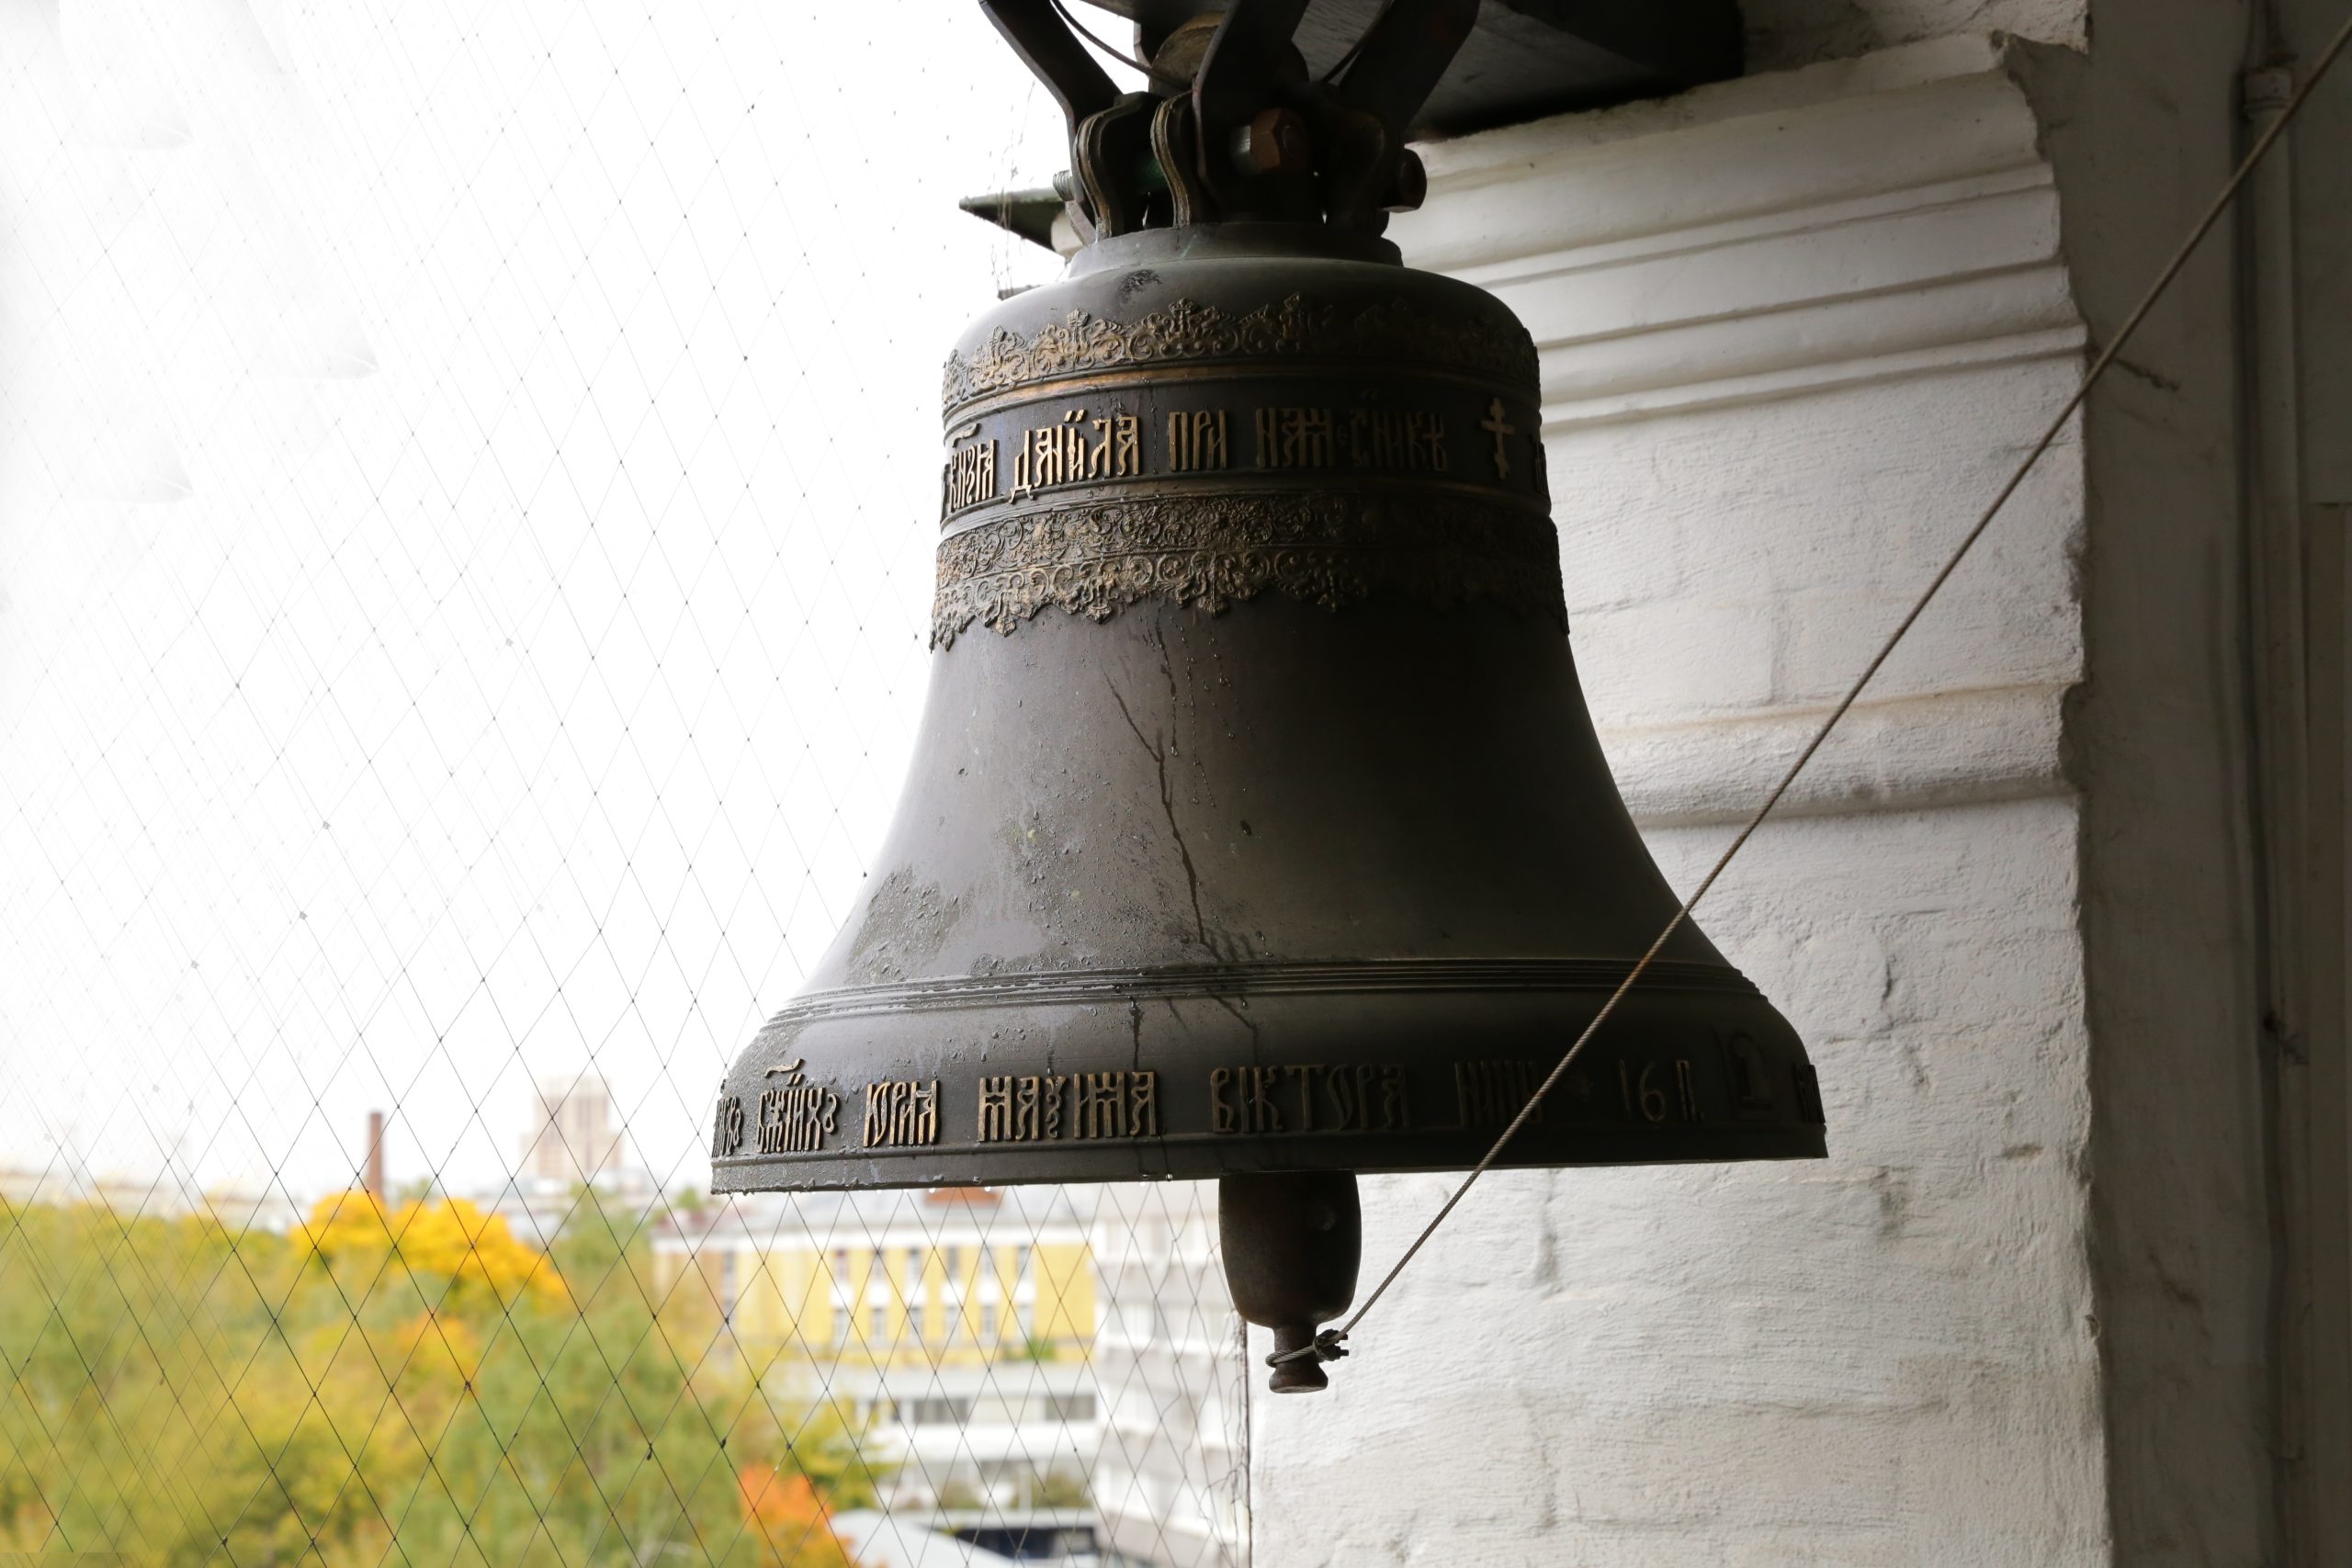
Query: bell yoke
{"x":1255,"y":828}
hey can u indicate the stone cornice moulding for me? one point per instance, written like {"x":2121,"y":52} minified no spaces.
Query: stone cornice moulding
{"x":1949,"y":748}
{"x":1857,"y":221}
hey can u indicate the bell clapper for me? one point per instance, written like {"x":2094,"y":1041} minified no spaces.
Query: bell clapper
{"x":1292,"y":1241}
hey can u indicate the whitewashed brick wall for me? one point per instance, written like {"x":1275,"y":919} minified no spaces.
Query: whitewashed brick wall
{"x":1794,"y":329}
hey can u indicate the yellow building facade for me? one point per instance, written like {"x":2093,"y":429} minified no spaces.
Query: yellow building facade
{"x":888,"y":1279}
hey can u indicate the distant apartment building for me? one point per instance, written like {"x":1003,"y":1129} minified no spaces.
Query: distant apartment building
{"x":953,"y":1328}
{"x":572,"y":1141}
{"x":1170,"y":1481}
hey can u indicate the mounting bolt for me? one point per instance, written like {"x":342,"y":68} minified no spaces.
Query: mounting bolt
{"x":1408,"y":187}
{"x":1273,"y":142}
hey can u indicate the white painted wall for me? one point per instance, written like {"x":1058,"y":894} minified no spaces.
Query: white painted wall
{"x":1795,"y":329}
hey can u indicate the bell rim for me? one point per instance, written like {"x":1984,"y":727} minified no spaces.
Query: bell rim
{"x":1200,"y":1156}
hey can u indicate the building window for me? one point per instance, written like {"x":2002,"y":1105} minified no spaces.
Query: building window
{"x":878,"y":1319}
{"x":1069,"y":1407}
{"x":934,"y":1412}
{"x":988,"y":1322}
{"x":842,"y":1298}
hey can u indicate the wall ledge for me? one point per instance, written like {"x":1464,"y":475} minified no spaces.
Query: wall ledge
{"x":1910,"y":754}
{"x":1846,"y":223}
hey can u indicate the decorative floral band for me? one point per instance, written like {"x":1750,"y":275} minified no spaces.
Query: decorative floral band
{"x":1493,"y":346}
{"x":1330,"y":548}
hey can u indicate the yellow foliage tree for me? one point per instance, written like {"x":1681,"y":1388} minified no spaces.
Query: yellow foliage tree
{"x":448,"y":1237}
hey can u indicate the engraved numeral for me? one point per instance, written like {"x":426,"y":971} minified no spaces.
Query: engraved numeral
{"x":1643,"y":1098}
{"x":1651,"y":1100}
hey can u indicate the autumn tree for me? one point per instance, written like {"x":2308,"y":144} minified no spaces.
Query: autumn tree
{"x":388,"y":1384}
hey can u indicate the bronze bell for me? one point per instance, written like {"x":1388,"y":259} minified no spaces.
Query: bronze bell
{"x":1256,"y":828}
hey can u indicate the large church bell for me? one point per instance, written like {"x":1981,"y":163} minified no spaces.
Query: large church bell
{"x":1255,"y":828}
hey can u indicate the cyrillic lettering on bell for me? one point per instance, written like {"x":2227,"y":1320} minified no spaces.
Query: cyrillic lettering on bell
{"x":1411,"y":440}
{"x":901,"y":1113}
{"x":1260,"y":1112}
{"x":1310,"y":1076}
{"x":1492,"y":1093}
{"x":1368,"y":1097}
{"x":1749,"y":1072}
{"x":1809,"y":1093}
{"x":1196,"y":440}
{"x":968,"y":478}
{"x":726,"y":1128}
{"x":1020,"y":1109}
{"x":1222,"y":1118}
{"x":1291,"y":437}
{"x":796,"y":1117}
{"x":1077,"y":449}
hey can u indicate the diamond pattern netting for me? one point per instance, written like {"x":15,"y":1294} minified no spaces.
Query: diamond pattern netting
{"x":465,"y":487}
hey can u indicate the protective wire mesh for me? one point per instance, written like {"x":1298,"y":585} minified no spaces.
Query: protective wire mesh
{"x":465,"y":498}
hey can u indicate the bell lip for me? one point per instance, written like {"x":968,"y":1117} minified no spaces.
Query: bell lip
{"x":1231,"y":241}
{"x":1203,"y":1158}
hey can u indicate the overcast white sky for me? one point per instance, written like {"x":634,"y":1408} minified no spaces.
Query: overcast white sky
{"x":467,"y":482}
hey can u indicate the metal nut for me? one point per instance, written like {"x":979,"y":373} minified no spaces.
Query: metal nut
{"x":1408,"y":187}
{"x":1273,"y":142}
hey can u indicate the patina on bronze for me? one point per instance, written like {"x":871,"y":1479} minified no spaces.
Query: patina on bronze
{"x":1255,"y":828}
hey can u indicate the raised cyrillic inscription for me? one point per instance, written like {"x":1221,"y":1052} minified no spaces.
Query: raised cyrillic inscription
{"x":727,"y":1127}
{"x":1385,"y":438}
{"x":1048,"y":1106}
{"x":1196,"y":440}
{"x":1077,"y":448}
{"x":1491,"y":1093}
{"x":1368,"y":1096}
{"x":1293,"y":438}
{"x":1749,"y":1072}
{"x":968,"y":478}
{"x":902,"y":1112}
{"x":1809,"y":1093}
{"x":795,"y":1116}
